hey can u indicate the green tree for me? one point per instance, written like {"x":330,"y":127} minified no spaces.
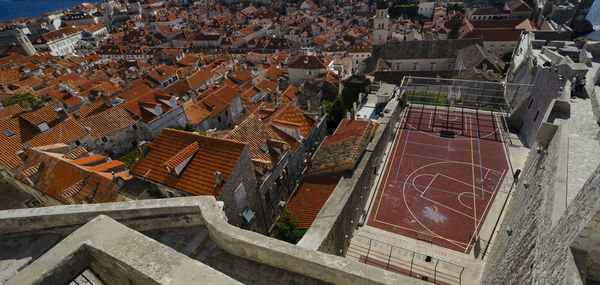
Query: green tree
{"x":189,"y":127}
{"x":25,"y":98}
{"x":286,"y":229}
{"x":335,"y":113}
{"x":457,"y":7}
{"x":453,"y":34}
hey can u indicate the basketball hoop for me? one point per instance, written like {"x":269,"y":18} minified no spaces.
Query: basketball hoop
{"x":453,"y":93}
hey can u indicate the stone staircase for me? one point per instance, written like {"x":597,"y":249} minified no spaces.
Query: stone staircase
{"x":372,"y":251}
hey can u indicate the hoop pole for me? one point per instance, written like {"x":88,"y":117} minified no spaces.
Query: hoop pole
{"x":433,"y":120}
{"x":421,"y":117}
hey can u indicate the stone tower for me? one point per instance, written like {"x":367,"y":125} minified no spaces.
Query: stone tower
{"x":381,"y":23}
{"x":25,"y":43}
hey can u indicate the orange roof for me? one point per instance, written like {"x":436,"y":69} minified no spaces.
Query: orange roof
{"x":66,"y":182}
{"x":198,"y":78}
{"x":10,"y":111}
{"x":257,"y":135}
{"x":290,"y":116}
{"x":214,"y":154}
{"x":267,"y":86}
{"x":226,"y":93}
{"x":108,"y":122}
{"x":88,"y":160}
{"x":291,"y":92}
{"x":136,"y":91}
{"x":240,"y":76}
{"x":310,"y":197}
{"x":27,"y":134}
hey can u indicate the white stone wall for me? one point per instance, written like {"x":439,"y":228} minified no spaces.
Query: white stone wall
{"x":420,"y":64}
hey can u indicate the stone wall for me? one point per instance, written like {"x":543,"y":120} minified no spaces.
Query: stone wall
{"x":537,"y":250}
{"x":332,"y":229}
{"x":123,"y":141}
{"x":174,"y":117}
{"x":528,"y":117}
{"x":243,"y":173}
{"x":129,"y":248}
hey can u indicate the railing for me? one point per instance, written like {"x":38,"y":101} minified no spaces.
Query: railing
{"x":404,"y":261}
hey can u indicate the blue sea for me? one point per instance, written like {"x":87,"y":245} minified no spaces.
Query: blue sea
{"x":12,"y":9}
{"x":594,"y":18}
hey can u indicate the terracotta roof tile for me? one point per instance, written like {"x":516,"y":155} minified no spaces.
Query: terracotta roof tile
{"x":108,"y":122}
{"x":290,"y":116}
{"x":213,"y":155}
{"x":66,"y":182}
{"x":256,"y":134}
{"x":310,"y":197}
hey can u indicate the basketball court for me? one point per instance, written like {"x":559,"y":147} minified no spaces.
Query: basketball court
{"x":445,"y":167}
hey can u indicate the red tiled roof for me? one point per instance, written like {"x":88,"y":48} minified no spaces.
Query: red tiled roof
{"x":310,"y":197}
{"x":10,"y":111}
{"x":65,"y":181}
{"x":26,"y":134}
{"x":344,"y":147}
{"x":290,"y":116}
{"x":256,"y":134}
{"x":182,"y":155}
{"x":214,"y":154}
{"x":108,"y":122}
{"x":136,"y":91}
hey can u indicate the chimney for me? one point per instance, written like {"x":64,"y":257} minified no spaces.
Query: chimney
{"x":62,"y":114}
{"x":218,"y":179}
{"x":144,"y":148}
{"x":22,"y":155}
{"x":106,"y":100}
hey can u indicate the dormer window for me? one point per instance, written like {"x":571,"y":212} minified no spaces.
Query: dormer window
{"x":157,"y":110}
{"x":43,"y":127}
{"x":264,"y":149}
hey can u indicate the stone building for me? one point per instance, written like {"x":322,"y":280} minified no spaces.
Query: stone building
{"x":278,"y":161}
{"x":115,"y":131}
{"x":156,"y":110}
{"x":188,"y":164}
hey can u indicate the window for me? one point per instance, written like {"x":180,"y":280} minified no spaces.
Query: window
{"x":134,"y":127}
{"x":43,"y":127}
{"x":8,"y":133}
{"x":77,"y":142}
{"x":310,"y":72}
{"x":536,"y":115}
{"x":414,"y":67}
{"x":226,"y":113}
{"x":530,"y":103}
{"x":240,"y":196}
{"x":219,"y":118}
{"x":104,"y":139}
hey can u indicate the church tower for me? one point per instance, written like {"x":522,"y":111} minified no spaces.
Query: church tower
{"x":25,"y":43}
{"x":381,"y":23}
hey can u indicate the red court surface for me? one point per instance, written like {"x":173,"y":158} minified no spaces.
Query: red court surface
{"x":440,"y":189}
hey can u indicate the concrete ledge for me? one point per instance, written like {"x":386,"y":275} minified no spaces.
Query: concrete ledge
{"x":105,"y":240}
{"x":595,"y":98}
{"x":120,"y":256}
{"x":139,"y":215}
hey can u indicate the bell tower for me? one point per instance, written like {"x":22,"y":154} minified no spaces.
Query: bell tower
{"x":381,"y":23}
{"x":25,"y":43}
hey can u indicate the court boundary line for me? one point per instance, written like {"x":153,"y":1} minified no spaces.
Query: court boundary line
{"x":390,"y":163}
